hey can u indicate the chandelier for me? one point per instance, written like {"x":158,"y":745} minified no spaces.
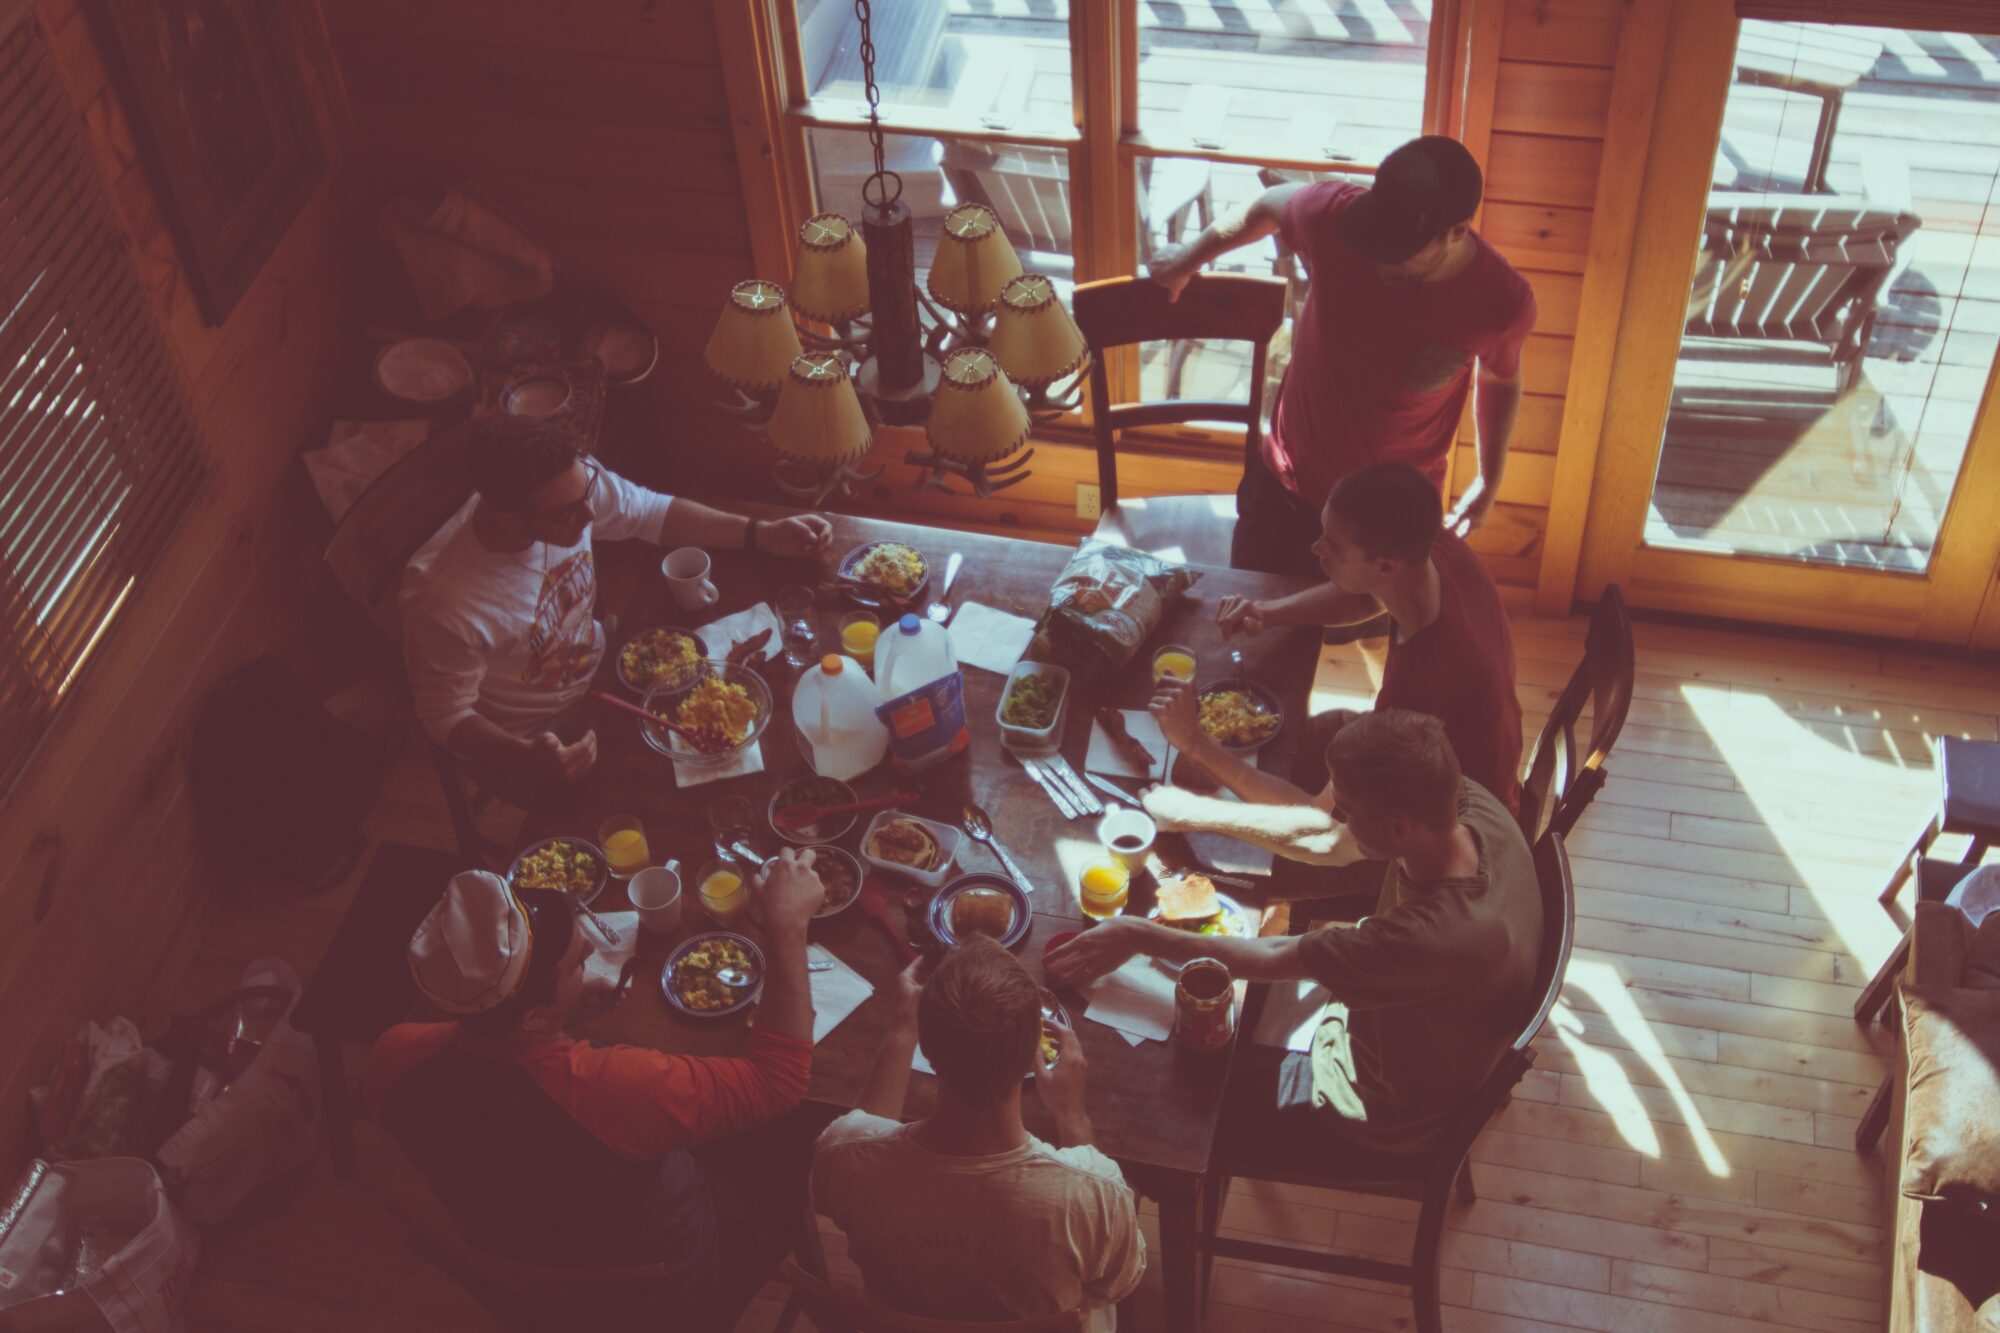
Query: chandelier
{"x":978,"y":359}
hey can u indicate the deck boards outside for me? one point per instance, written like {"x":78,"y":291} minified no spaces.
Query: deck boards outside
{"x":1680,"y":1157}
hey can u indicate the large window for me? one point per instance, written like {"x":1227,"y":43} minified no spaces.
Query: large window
{"x":98,"y":458}
{"x":1102,"y":133}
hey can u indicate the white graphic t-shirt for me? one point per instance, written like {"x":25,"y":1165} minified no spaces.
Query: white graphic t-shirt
{"x":511,"y":635}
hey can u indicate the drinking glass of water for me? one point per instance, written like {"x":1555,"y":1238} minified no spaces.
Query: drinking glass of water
{"x":732,"y":820}
{"x":801,"y":628}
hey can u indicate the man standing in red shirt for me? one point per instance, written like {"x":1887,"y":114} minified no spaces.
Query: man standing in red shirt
{"x":1405,"y":297}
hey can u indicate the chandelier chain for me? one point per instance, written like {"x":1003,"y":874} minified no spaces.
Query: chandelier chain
{"x":877,"y":188}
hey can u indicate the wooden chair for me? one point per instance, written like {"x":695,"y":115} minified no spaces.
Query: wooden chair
{"x":1804,"y":269}
{"x":1431,"y":1178}
{"x":1556,"y":788}
{"x":1119,"y":312}
{"x":387,"y":524}
{"x":1969,"y":803}
{"x":836,"y":1311}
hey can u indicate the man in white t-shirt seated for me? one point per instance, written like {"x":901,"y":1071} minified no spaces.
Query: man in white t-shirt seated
{"x":964,"y":1214}
{"x":500,"y":635}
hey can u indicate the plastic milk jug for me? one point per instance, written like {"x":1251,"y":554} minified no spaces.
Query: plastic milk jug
{"x":923,"y":694}
{"x":833,"y":707}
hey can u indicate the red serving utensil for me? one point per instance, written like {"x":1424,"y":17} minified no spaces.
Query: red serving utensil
{"x":791,"y":818}
{"x":872,"y":905}
{"x":626,"y":706}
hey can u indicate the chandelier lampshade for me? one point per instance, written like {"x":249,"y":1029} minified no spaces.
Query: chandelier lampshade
{"x":819,"y":419}
{"x":1034,"y":339}
{"x":976,"y":416}
{"x":830,"y":273}
{"x":974,"y":260}
{"x":754,"y":341}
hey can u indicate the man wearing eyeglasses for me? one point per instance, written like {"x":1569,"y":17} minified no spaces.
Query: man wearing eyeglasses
{"x":500,"y":633}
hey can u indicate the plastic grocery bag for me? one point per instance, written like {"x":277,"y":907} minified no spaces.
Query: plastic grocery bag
{"x":264,"y":1123}
{"x":100,"y":1101}
{"x":1103,"y":605}
{"x":105,"y":1227}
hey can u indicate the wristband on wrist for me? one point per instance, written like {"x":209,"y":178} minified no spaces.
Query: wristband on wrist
{"x":750,"y":534}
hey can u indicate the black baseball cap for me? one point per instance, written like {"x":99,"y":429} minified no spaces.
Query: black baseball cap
{"x":1422,"y":189}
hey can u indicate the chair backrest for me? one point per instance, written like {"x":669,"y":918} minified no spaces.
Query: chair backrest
{"x":836,"y":1311}
{"x":1558,"y":932}
{"x":1801,"y":268}
{"x":400,"y":511}
{"x":1557,"y":787}
{"x":1119,"y":312}
{"x":1026,"y":185}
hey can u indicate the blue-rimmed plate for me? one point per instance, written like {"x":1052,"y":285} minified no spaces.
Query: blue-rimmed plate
{"x":943,"y":906}
{"x":688,"y":979}
{"x":668,"y":683}
{"x":566,"y":852}
{"x":878,"y":597}
{"x":1258,"y":702}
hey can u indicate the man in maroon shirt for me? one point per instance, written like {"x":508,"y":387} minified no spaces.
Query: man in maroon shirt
{"x":1405,"y":297}
{"x":1382,"y":548}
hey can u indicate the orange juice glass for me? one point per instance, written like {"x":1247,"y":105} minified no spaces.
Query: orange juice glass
{"x":1102,"y":889}
{"x":724,"y":887}
{"x":623,"y":839}
{"x":1175,"y":660}
{"x":858,"y":632}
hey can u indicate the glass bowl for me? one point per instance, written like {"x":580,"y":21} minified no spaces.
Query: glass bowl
{"x":668,"y":702}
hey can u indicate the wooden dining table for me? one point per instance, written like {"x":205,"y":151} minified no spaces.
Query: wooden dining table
{"x":1155,"y":1106}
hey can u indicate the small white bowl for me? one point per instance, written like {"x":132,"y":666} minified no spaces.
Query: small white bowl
{"x":1035,"y":740}
{"x":947,"y":837}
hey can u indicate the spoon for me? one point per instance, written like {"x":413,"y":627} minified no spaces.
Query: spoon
{"x":979,"y":825}
{"x":733,"y":977}
{"x":624,"y":706}
{"x":940,"y":610}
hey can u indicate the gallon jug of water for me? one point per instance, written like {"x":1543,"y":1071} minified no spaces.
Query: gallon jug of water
{"x":833,"y":706}
{"x":923,"y":694}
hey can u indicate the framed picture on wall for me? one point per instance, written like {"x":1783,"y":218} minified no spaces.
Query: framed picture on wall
{"x":216,"y":91}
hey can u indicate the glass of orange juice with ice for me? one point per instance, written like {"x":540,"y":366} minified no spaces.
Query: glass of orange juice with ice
{"x":724,"y":888}
{"x":623,"y":839}
{"x":858,"y":632}
{"x":1103,"y":888}
{"x":1174,"y":660}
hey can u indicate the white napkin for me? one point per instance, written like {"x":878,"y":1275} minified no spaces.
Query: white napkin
{"x":989,"y":639}
{"x":1292,"y":1011}
{"x":918,"y":1063}
{"x":1977,"y":895}
{"x":722,"y":635}
{"x":836,"y":993}
{"x":750,"y":761}
{"x":1105,"y":758}
{"x":1137,"y":999}
{"x":606,"y":960}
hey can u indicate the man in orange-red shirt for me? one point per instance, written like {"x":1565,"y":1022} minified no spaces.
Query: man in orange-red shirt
{"x":566,"y":1154}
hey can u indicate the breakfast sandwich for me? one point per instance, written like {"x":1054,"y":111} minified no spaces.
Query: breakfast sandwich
{"x":1190,"y":898}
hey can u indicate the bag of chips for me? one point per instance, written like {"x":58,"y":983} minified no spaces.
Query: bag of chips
{"x":1104,"y":604}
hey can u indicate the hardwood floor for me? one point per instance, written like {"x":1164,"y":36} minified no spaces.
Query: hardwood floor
{"x":1681,"y":1156}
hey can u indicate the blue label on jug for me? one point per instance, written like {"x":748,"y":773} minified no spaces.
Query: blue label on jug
{"x":927,"y":725}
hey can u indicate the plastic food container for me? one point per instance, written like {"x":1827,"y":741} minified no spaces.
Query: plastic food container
{"x":1035,"y":739}
{"x":947,"y":837}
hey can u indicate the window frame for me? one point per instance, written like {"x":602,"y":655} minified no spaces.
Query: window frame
{"x":772,"y":111}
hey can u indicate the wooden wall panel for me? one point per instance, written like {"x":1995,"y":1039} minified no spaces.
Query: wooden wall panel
{"x":104,"y":888}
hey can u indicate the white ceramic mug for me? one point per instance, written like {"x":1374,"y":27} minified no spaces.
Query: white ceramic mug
{"x":656,"y":893}
{"x":1127,"y":823}
{"x":687,"y":578}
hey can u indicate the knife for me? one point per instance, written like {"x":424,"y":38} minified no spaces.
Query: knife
{"x":1079,"y":794}
{"x":1104,"y":786}
{"x":1049,"y":788}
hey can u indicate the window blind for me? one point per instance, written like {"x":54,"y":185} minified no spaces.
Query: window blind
{"x":98,"y":455}
{"x":1974,"y":16}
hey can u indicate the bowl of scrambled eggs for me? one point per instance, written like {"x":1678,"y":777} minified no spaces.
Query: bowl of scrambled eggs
{"x":725,"y":713}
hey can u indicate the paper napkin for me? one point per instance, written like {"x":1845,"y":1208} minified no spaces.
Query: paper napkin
{"x":1137,"y":999}
{"x":606,"y":961}
{"x":724,"y":634}
{"x":1104,"y":756}
{"x":836,"y":992}
{"x":989,"y":639}
{"x":1291,"y":1016}
{"x":750,"y":761}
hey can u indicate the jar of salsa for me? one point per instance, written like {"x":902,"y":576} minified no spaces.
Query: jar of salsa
{"x":1205,"y":1006}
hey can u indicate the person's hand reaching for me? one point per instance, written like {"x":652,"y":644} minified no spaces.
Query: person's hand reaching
{"x":1470,"y":512}
{"x":1105,"y":947}
{"x":1173,"y":266}
{"x":791,"y":891}
{"x":801,"y":534}
{"x":1239,"y":615}
{"x":1174,"y":708}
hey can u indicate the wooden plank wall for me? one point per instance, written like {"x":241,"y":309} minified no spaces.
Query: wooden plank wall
{"x":606,"y":127}
{"x":103,"y":896}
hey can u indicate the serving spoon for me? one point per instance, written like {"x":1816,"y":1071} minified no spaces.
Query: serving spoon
{"x":977,"y":823}
{"x":791,"y":818}
{"x":940,"y":610}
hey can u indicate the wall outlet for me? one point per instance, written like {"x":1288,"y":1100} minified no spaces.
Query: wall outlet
{"x":1087,"y":500}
